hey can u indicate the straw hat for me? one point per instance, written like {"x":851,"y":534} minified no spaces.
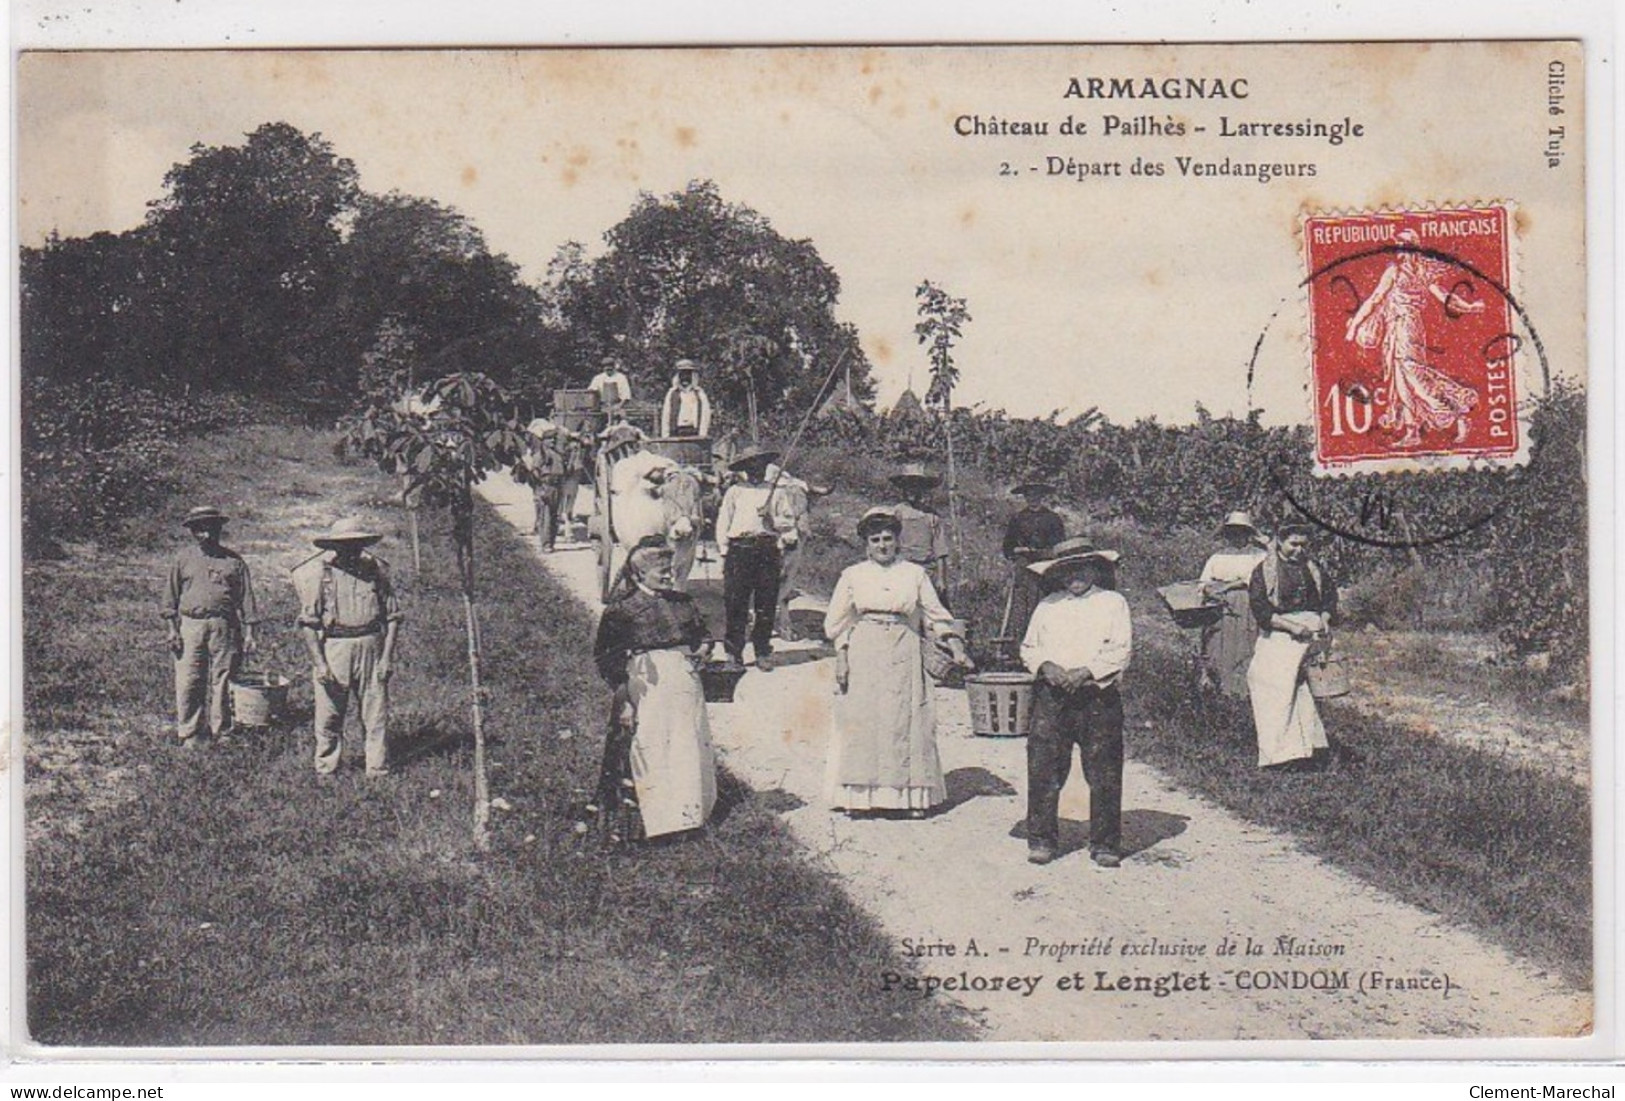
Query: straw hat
{"x":204,"y":516}
{"x":753,"y":457}
{"x":1243,"y":520}
{"x":915,"y":474}
{"x":350,"y":529}
{"x":620,"y":435}
{"x":878,"y":519}
{"x":1069,"y":554}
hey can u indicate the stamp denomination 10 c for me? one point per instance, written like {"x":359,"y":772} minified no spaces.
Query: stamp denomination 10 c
{"x":1414,"y":341}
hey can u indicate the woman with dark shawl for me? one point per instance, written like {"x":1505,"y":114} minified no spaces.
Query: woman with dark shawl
{"x":649,"y":645}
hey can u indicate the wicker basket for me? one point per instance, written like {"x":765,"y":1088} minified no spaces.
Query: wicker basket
{"x":719,"y":679}
{"x":1001,"y":704}
{"x":258,"y":699}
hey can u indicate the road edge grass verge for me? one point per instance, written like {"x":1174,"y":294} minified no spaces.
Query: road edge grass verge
{"x":231,"y":898}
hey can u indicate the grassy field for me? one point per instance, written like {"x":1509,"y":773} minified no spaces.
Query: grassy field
{"x":1478,"y":837}
{"x":228,"y":897}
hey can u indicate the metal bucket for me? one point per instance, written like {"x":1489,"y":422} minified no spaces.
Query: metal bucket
{"x":258,"y":699}
{"x":1001,"y":704}
{"x":1328,"y":677}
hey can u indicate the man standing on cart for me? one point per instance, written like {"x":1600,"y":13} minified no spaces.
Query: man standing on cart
{"x":686,"y":412}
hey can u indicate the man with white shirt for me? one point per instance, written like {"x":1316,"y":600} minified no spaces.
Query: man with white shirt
{"x":686,"y":412}
{"x":614,"y":389}
{"x":750,"y":538}
{"x":1077,"y":645}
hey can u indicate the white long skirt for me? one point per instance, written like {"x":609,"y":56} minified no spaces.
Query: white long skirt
{"x":673,"y":764}
{"x":1284,"y":713}
{"x":883,"y":745}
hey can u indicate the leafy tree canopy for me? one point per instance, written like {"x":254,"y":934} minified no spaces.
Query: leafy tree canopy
{"x":690,"y":275}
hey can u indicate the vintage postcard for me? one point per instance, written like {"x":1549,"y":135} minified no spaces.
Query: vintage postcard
{"x":942,"y":551}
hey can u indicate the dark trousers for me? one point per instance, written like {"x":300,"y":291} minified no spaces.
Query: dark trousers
{"x":548,"y":495}
{"x":750,"y":584}
{"x":1092,"y":719}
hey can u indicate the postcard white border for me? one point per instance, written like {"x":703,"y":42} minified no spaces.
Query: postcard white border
{"x":137,"y":24}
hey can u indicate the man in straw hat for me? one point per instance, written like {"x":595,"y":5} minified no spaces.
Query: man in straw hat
{"x":686,"y":411}
{"x":350,"y":618}
{"x":1077,"y":646}
{"x":921,"y":540}
{"x":1294,"y":601}
{"x":209,"y":605}
{"x":749,"y":539}
{"x":1029,"y":537}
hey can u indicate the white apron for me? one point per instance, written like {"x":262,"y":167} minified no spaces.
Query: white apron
{"x":1284,"y":713}
{"x":673,"y":765}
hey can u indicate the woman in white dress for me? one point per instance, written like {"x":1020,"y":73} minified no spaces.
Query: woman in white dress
{"x":1227,"y":644}
{"x":883,"y":749}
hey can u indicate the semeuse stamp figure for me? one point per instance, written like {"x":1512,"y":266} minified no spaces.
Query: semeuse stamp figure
{"x":209,"y":606}
{"x":1413,"y":354}
{"x":350,"y":618}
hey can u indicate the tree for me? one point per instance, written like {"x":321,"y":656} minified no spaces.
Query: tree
{"x":692,"y":276}
{"x":244,"y":253}
{"x":466,"y":427}
{"x":420,"y":278}
{"x":942,"y":317}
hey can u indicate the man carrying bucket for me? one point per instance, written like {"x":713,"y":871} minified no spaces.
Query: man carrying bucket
{"x":1077,"y":646}
{"x":209,"y":605}
{"x":350,"y":618}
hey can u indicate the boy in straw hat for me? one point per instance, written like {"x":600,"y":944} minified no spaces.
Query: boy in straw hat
{"x":209,"y":605}
{"x":1077,"y":645}
{"x":350,"y":618}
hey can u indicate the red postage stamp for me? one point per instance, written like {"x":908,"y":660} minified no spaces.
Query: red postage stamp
{"x":1414,"y":343}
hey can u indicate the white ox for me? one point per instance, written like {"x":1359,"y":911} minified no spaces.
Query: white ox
{"x":651,"y":494}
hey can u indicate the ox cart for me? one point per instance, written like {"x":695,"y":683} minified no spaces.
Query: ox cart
{"x":692,"y":455}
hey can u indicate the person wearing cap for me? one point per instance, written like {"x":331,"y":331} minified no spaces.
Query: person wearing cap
{"x":686,"y":410}
{"x":350,"y":618}
{"x":750,"y":539}
{"x":614,"y":389}
{"x":648,"y":648}
{"x":1077,"y":646}
{"x":1294,"y":602}
{"x":1029,"y":537}
{"x":921,"y":540}
{"x":545,"y":461}
{"x":1227,"y":643}
{"x":883,"y":745}
{"x":208,"y":603}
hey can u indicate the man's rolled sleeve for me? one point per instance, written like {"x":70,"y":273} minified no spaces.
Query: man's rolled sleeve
{"x":388,"y":603}
{"x":170,"y":609}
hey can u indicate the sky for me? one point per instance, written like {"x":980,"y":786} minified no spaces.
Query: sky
{"x":1140,"y":295}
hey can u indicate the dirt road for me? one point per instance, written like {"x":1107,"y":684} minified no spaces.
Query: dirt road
{"x":1213,"y":929}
